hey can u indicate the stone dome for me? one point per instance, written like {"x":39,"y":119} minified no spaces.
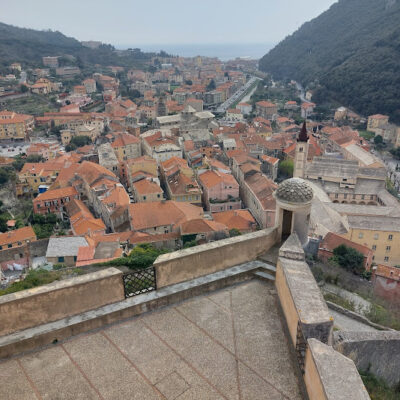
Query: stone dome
{"x":294,"y":190}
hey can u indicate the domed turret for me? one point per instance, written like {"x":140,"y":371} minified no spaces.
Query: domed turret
{"x":293,"y":208}
{"x":294,"y":190}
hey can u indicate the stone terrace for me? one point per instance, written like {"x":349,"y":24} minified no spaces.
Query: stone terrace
{"x":228,"y":344}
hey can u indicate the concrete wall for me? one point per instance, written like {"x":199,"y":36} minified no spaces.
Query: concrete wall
{"x":32,"y":307}
{"x":299,"y":295}
{"x":377,"y":351}
{"x":187,"y":264}
{"x":331,"y":376}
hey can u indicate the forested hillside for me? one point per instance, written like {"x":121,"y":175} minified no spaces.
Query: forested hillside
{"x":351,"y":53}
{"x":29,"y":46}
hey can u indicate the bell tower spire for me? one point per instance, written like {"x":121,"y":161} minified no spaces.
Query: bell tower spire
{"x":301,"y":155}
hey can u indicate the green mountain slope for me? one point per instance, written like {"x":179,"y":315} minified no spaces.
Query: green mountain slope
{"x":29,"y":46}
{"x":352,"y":51}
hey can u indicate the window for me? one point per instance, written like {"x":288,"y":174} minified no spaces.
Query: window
{"x":388,"y":248}
{"x":374,"y":247}
{"x":158,"y":196}
{"x":74,"y":258}
{"x":376,"y":236}
{"x":371,"y":197}
{"x":9,"y":246}
{"x":345,"y":195}
{"x":336,"y":196}
{"x":144,"y":197}
{"x":362,"y":197}
{"x":19,"y":243}
{"x":354,"y":196}
{"x":1,"y":247}
{"x":360,"y":235}
{"x":300,"y":150}
{"x":60,"y":259}
{"x":386,"y":258}
{"x":344,"y":179}
{"x":390,"y":237}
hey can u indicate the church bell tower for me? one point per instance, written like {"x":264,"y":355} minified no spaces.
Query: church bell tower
{"x":300,"y":158}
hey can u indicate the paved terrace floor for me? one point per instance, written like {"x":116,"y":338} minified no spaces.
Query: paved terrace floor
{"x":226,"y":345}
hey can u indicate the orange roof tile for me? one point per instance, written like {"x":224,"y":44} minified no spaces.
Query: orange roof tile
{"x":56,"y":194}
{"x":213,"y":178}
{"x":17,"y":235}
{"x":331,"y":241}
{"x":239,"y":219}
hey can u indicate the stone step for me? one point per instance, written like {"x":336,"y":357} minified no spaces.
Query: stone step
{"x":264,"y":276}
{"x":268,"y":268}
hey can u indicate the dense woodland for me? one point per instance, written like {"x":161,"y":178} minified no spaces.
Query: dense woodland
{"x":29,"y":46}
{"x":350,"y":54}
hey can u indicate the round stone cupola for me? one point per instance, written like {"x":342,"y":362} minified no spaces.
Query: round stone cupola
{"x":294,"y":190}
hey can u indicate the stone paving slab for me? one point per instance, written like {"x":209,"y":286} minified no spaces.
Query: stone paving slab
{"x":228,"y":344}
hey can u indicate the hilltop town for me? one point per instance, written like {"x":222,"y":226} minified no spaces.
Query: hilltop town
{"x":183,"y":152}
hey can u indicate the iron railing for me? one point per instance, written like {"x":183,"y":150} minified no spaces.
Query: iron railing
{"x":139,"y":282}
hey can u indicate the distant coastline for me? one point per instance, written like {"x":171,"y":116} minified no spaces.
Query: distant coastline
{"x":223,"y":51}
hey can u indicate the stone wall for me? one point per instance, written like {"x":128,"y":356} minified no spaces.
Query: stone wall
{"x":329,"y":375}
{"x":377,"y":351}
{"x":187,"y":264}
{"x":37,"y":248}
{"x":32,"y":307}
{"x":299,"y":295}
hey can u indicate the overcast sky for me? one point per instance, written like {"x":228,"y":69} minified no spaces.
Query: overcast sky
{"x":129,"y":22}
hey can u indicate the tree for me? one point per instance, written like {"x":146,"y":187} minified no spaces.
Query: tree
{"x":234,"y":232}
{"x":141,"y":257}
{"x":4,"y":176}
{"x":44,"y":225}
{"x":24,"y":88}
{"x":396,"y":153}
{"x":81,"y":140}
{"x":211,"y":86}
{"x":349,"y":258}
{"x":286,"y":168}
{"x":378,"y":140}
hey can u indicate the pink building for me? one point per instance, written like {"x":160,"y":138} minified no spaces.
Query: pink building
{"x":220,"y":191}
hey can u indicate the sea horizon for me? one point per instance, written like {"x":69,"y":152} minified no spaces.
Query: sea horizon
{"x":224,"y":52}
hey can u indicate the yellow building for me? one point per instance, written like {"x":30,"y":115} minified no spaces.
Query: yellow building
{"x":33,"y":175}
{"x":381,"y":234}
{"x":15,"y":126}
{"x":126,"y":147}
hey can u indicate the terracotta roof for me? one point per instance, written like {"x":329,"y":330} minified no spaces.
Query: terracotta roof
{"x":145,"y":186}
{"x":116,"y":197}
{"x":150,"y":215}
{"x":17,"y":235}
{"x":90,"y":171}
{"x":174,"y":161}
{"x":213,"y":178}
{"x":331,"y":241}
{"x":200,"y":225}
{"x":239,"y":219}
{"x":56,"y":194}
{"x":263,"y":188}
{"x":266,"y":104}
{"x":378,"y":116}
{"x":125,"y":139}
{"x":387,"y":272}
{"x":269,"y":160}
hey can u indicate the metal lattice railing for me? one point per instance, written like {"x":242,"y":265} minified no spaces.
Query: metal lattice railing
{"x":139,"y":282}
